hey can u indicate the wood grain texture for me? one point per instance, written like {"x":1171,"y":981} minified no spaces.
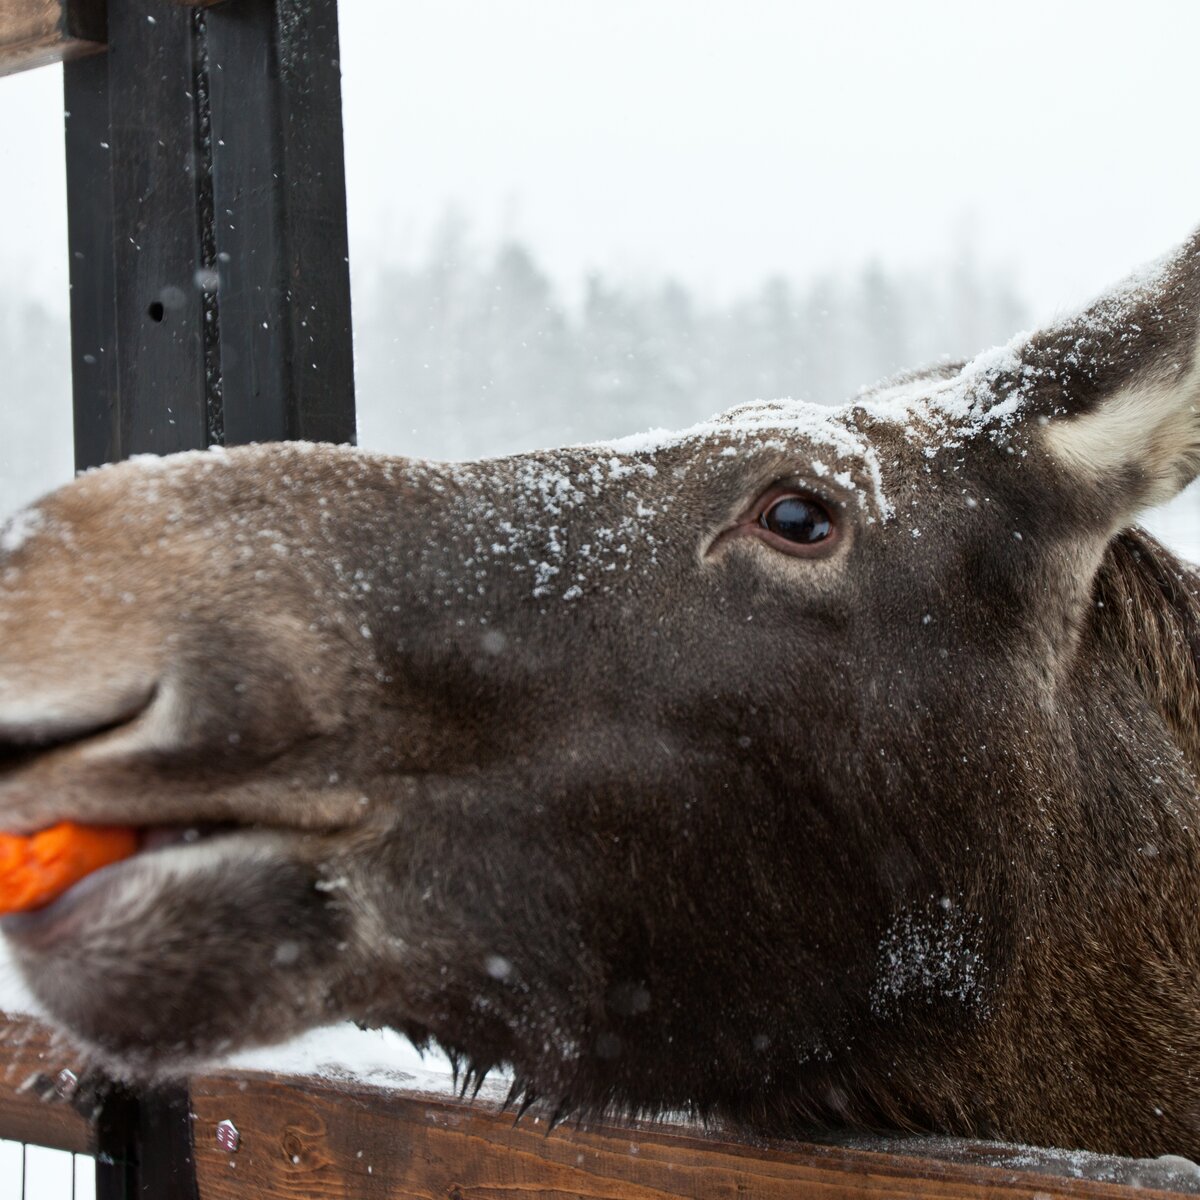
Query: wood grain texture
{"x":327,"y":1142}
{"x":279,"y":212}
{"x":320,"y":1140}
{"x":36,"y":32}
{"x":31,"y":1106}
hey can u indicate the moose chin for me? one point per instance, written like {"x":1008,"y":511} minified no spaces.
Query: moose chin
{"x":809,"y":767}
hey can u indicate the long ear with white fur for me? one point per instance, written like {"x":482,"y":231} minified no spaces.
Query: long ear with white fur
{"x":1117,"y":387}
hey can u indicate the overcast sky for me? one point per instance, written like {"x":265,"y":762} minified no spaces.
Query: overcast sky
{"x":724,"y":141}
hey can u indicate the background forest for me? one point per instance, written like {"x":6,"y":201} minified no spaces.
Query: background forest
{"x":471,"y":350}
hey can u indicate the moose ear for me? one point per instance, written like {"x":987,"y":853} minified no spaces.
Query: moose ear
{"x":1117,"y":387}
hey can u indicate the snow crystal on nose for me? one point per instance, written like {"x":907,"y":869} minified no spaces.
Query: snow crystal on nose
{"x":548,"y":525}
{"x":19,"y":529}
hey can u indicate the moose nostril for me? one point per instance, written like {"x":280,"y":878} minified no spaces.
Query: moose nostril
{"x":35,"y":723}
{"x":12,"y":757}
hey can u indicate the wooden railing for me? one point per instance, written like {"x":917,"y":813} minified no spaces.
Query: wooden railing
{"x":258,"y":1136}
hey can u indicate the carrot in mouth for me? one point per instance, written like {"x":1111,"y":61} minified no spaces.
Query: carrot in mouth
{"x":37,"y":869}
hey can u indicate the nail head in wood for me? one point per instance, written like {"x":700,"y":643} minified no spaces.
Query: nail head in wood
{"x":228,"y":1136}
{"x":66,"y":1084}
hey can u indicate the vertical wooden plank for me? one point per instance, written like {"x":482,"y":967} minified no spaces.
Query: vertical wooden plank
{"x":136,"y":171}
{"x":116,"y":1145}
{"x":144,"y":1145}
{"x":156,"y":162}
{"x":166,"y":1167}
{"x":314,"y":180}
{"x":144,"y":354}
{"x":249,"y":224}
{"x":90,"y":231}
{"x":280,"y":203}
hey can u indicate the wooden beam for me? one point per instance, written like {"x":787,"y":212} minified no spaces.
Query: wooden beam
{"x":40,"y":1099}
{"x":279,"y":212}
{"x":353,"y":1142}
{"x":291,"y":1136}
{"x":36,"y":32}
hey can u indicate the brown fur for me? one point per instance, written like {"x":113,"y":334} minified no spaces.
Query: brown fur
{"x":1148,"y":610}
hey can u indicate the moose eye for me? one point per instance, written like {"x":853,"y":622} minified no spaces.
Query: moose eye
{"x":797,"y":519}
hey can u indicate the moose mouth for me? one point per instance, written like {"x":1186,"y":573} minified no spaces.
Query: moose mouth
{"x":114,"y":769}
{"x":58,"y":888}
{"x":43,"y":923}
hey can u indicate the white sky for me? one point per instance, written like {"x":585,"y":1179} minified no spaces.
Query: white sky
{"x":723,"y":141}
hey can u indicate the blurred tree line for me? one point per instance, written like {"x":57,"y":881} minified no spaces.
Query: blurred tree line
{"x":36,"y":452}
{"x":474,"y":351}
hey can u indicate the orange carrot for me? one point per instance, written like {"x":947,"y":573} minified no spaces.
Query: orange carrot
{"x":37,"y":869}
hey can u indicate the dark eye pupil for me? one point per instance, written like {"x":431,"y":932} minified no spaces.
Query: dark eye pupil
{"x":798,"y":520}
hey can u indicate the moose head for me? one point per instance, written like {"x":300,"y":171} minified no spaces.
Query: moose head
{"x":809,"y":766}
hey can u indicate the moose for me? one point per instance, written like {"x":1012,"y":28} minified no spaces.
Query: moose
{"x":812,"y":767}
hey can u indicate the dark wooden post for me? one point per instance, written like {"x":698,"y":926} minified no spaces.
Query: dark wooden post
{"x":210,"y":301}
{"x":207,"y":230}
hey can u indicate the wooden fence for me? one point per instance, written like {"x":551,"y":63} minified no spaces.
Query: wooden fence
{"x":257,"y":1136}
{"x":217,"y":267}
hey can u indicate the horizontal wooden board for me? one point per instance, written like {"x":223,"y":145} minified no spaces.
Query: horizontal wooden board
{"x":326,"y":1140}
{"x":36,"y":32}
{"x":36,"y":1100}
{"x":330,"y":1142}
